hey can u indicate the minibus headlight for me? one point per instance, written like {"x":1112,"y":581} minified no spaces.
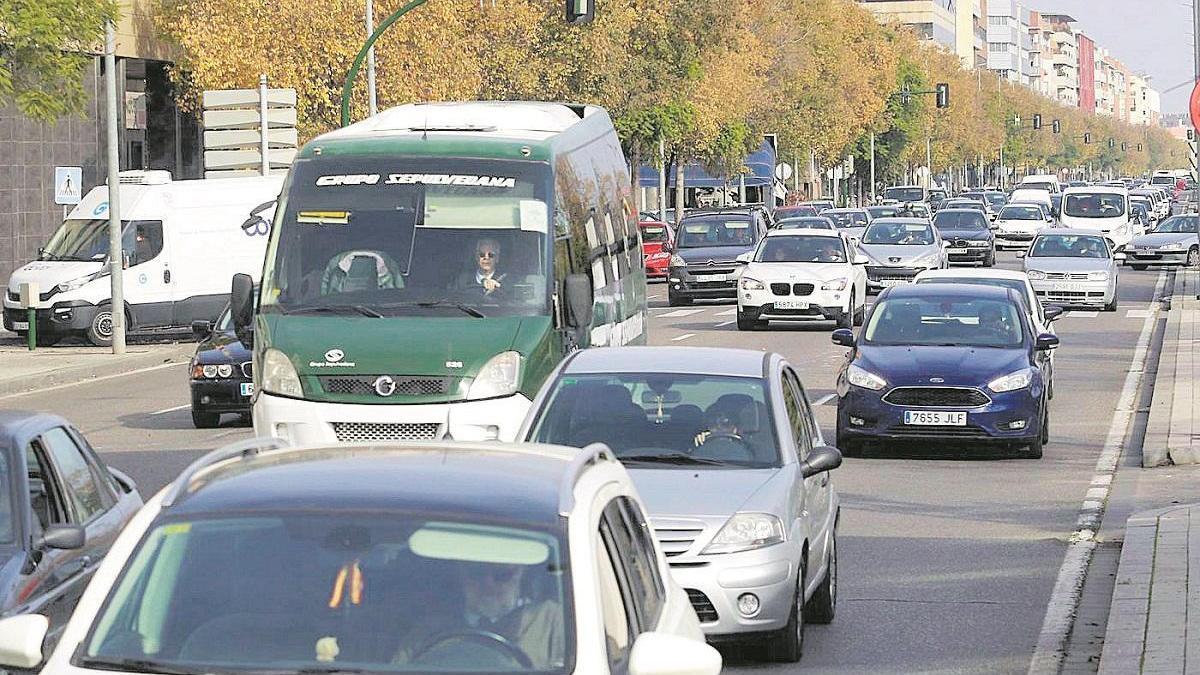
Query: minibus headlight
{"x":498,"y":377}
{"x":279,"y":375}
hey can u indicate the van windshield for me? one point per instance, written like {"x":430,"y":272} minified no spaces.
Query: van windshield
{"x":87,"y":240}
{"x":411,"y":236}
{"x":1095,"y":205}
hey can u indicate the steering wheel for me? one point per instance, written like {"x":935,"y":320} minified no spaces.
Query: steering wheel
{"x":484,"y":638}
{"x":727,"y":436}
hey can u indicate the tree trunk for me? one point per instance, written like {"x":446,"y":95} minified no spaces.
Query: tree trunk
{"x":679,"y":201}
{"x":635,"y":161}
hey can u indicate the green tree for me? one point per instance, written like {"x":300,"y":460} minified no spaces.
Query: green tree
{"x":45,"y":46}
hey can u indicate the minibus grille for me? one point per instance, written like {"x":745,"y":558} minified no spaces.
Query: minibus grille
{"x":406,"y":385}
{"x":349,"y":432}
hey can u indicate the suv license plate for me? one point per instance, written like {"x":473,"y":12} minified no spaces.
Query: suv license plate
{"x":791,"y":304}
{"x":247,"y":388}
{"x":956,"y":251}
{"x":888,"y":283}
{"x":706,"y":278}
{"x":1070,"y":287}
{"x":935,"y":418}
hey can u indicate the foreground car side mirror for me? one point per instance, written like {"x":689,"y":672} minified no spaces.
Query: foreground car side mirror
{"x":201,"y":329}
{"x":821,"y":459}
{"x":1053,"y":312}
{"x":745,"y":258}
{"x":843,"y":337}
{"x":21,"y":640}
{"x":1046,"y":341}
{"x":63,"y":537}
{"x":665,"y":654}
{"x":1021,"y":254}
{"x":1119,"y":256}
{"x":860,"y":259}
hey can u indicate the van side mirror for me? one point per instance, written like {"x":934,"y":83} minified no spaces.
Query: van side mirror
{"x":63,"y":537}
{"x":821,"y":459}
{"x":241,"y":308}
{"x":21,"y":640}
{"x":578,"y":292}
{"x":201,"y":329}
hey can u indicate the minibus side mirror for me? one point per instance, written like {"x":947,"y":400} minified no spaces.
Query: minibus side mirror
{"x":241,"y":308}
{"x":577,"y":289}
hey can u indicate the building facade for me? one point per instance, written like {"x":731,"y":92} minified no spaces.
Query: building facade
{"x":934,"y":20}
{"x":1145,"y":103}
{"x":1010,"y":46}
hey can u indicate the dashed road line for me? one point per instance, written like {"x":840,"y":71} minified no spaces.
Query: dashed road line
{"x":728,"y":312}
{"x":679,"y":313}
{"x":170,"y":410}
{"x":1137,"y":314}
{"x":1081,"y":315}
{"x":1051,"y":646}
{"x":724,"y":323}
{"x":683,"y":337}
{"x":825,"y":399}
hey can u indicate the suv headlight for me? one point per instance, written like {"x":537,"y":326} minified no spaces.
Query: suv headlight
{"x":1035,"y":274}
{"x":498,"y":377}
{"x":838,"y":284}
{"x":860,"y":377}
{"x":678,"y":261}
{"x":1098,"y":276}
{"x":1012,"y":381}
{"x":749,"y":284}
{"x":279,"y":375}
{"x":80,"y":282}
{"x":746,"y":532}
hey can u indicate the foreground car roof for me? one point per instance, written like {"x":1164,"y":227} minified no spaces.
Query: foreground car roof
{"x":682,"y":360}
{"x":973,"y":273}
{"x":811,"y":232}
{"x":969,"y":291}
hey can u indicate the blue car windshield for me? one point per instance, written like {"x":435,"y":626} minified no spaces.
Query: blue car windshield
{"x":1178,"y":225}
{"x":945,"y":322}
{"x":899,"y":234}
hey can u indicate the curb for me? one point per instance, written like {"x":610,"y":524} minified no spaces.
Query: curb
{"x":107,"y":367}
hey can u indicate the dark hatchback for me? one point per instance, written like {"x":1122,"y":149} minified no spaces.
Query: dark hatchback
{"x":707,"y":245}
{"x":61,"y":509}
{"x":969,"y":237}
{"x":945,"y":362}
{"x":220,"y":374}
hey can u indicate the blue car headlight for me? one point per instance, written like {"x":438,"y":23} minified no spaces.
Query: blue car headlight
{"x":860,"y":377}
{"x":1012,"y":382}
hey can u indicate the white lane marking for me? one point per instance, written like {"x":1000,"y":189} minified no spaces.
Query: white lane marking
{"x":94,"y":379}
{"x":724,"y":323}
{"x":169,"y":410}
{"x":1081,"y":315}
{"x":1137,"y":314}
{"x":683,"y":337}
{"x":1068,"y":587}
{"x":728,"y":312}
{"x":680,"y":312}
{"x":825,"y":399}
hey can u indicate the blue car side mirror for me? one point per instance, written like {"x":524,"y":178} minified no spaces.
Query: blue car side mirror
{"x":843,"y":337}
{"x":1046,"y":341}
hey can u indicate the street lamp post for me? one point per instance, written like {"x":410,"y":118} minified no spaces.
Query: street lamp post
{"x":371,"y":102}
{"x":116,"y":254}
{"x":352,"y":75}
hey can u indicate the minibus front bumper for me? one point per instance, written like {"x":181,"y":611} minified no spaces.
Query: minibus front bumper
{"x":314,"y":422}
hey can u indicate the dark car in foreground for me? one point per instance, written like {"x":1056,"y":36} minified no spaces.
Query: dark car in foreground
{"x":61,"y":509}
{"x":707,"y":244}
{"x":220,"y":374}
{"x":968,"y":234}
{"x":945,"y":362}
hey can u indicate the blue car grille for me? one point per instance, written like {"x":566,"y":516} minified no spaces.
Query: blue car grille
{"x":937,"y":397}
{"x":901,"y":431}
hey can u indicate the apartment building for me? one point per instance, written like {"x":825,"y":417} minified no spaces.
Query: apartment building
{"x":935,"y":20}
{"x":1010,"y":45}
{"x":1145,"y":103}
{"x":1060,"y":62}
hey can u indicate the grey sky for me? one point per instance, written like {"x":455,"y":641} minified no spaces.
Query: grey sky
{"x":1153,"y":37}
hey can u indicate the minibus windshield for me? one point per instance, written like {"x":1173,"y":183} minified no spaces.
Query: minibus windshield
{"x":411,"y":236}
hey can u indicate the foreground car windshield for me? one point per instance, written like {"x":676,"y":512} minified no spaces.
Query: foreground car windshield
{"x":714,"y":231}
{"x":959,"y":221}
{"x":1099,"y":205}
{"x":1068,"y":246}
{"x":945,"y":322}
{"x":664,"y":419}
{"x":1021,"y":213}
{"x":903,"y":234}
{"x":1178,"y":225}
{"x":801,"y":249}
{"x":297,"y":591}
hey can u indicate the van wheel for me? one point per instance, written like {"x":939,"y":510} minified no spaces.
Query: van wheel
{"x":100,"y":332}
{"x":205,"y":420}
{"x":823,"y":604}
{"x":787,"y":646}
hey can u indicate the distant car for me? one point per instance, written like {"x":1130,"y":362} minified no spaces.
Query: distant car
{"x":1073,"y":267}
{"x":1077,"y":183}
{"x":1017,"y":224}
{"x":658,"y":241}
{"x":971,"y":240}
{"x":782,"y":212}
{"x":905,"y":193}
{"x":884,"y":211}
{"x":61,"y":509}
{"x":895,"y":250}
{"x":801,"y":275}
{"x":1173,"y":242}
{"x":964,"y":203}
{"x":993,"y":200}
{"x":707,"y":244}
{"x":916,"y":210}
{"x":221,"y":373}
{"x":820,"y":205}
{"x":268,"y":559}
{"x":945,"y":362}
{"x":805,"y":223}
{"x":727,"y":454}
{"x":850,"y":222}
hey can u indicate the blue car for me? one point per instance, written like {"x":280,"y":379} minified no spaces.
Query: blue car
{"x":945,"y":362}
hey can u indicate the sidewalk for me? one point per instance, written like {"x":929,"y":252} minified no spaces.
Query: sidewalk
{"x":1173,"y":428}
{"x":22,"y":370}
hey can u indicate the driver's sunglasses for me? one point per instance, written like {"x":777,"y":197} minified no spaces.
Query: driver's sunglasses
{"x":486,"y":254}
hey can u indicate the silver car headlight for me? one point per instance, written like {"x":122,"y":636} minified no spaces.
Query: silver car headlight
{"x":749,"y":284}
{"x":838,"y":284}
{"x":746,"y":532}
{"x":1173,"y":246}
{"x":1012,"y":382}
{"x":500,"y":376}
{"x":279,"y":375}
{"x":928,"y":259}
{"x":860,"y":377}
{"x":1035,"y":274}
{"x":1098,"y":276}
{"x":980,"y":243}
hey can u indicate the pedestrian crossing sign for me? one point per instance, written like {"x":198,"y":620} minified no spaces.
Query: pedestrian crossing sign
{"x":68,"y":184}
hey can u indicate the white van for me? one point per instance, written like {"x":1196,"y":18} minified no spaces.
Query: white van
{"x":182,"y":242}
{"x":1100,"y":209}
{"x":1032,"y":195}
{"x":1048,"y":182}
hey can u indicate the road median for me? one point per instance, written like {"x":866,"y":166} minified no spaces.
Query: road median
{"x":23,"y":371}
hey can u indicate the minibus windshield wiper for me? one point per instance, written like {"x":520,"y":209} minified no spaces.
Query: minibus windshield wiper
{"x":465,"y":309}
{"x":335,"y":309}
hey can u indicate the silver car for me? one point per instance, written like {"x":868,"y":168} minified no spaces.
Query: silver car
{"x":895,"y":250}
{"x":1173,"y":242}
{"x":723,"y":446}
{"x":1073,"y":267}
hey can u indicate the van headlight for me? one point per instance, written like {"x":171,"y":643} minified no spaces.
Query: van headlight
{"x":498,"y":377}
{"x":1012,"y":382}
{"x":279,"y":375}
{"x":746,"y":532}
{"x":74,"y":284}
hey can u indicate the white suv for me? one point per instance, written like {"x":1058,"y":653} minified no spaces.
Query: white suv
{"x":801,"y":275}
{"x":410,"y":557}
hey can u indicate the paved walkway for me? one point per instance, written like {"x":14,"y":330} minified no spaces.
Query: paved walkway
{"x":22,"y":370}
{"x":1173,"y":429}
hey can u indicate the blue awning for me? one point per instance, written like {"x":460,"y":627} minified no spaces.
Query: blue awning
{"x":760,"y":164}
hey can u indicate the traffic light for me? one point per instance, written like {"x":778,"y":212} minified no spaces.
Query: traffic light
{"x":943,"y":95}
{"x":1057,"y":126}
{"x":1191,"y":135}
{"x":1087,"y":138}
{"x":580,"y":11}
{"x":1139,"y":146}
{"x":1112,"y":143}
{"x":1037,"y":122}
{"x":1124,"y":146}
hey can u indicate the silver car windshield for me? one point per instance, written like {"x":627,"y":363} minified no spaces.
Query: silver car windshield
{"x":899,"y":234}
{"x":1178,"y":225}
{"x":664,"y":419}
{"x":1068,"y":246}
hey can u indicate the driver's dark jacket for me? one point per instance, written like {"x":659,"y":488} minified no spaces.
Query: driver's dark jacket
{"x":536,"y":629}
